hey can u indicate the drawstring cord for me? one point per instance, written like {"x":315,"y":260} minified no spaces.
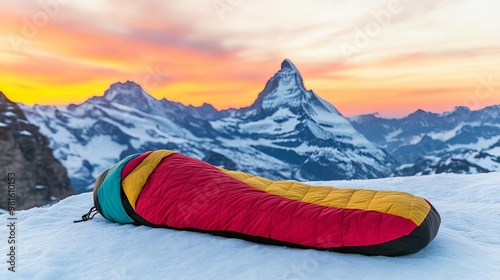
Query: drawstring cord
{"x":89,"y":216}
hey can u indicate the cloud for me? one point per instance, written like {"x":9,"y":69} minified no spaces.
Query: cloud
{"x":357,"y":49}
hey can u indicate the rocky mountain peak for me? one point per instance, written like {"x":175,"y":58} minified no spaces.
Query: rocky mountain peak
{"x":289,"y":76}
{"x":129,"y":94}
{"x":119,"y":88}
{"x":286,"y":90}
{"x":287,"y":64}
{"x":9,"y":109}
{"x":40,"y":178}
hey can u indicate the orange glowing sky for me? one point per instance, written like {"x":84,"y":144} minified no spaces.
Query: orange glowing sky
{"x":390,"y":56}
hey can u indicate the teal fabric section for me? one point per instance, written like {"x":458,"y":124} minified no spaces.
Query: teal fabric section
{"x":109,"y":194}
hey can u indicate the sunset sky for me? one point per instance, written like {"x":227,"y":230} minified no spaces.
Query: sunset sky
{"x":390,"y":56}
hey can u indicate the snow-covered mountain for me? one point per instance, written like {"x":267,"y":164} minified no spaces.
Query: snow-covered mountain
{"x":467,"y":247}
{"x":288,"y":133}
{"x":90,"y":137}
{"x":460,"y":141}
{"x":296,"y":125}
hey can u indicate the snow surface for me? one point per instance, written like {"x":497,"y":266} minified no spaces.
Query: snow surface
{"x":447,"y":135}
{"x":9,"y":114}
{"x":392,"y":136}
{"x":282,"y":121}
{"x":51,"y":246}
{"x":481,"y":144}
{"x":494,"y":152}
{"x":25,"y":132}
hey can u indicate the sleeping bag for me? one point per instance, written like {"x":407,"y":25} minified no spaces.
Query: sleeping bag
{"x":169,"y":190}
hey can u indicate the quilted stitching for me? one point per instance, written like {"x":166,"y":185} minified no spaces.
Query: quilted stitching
{"x":284,"y":188}
{"x":272,"y":211}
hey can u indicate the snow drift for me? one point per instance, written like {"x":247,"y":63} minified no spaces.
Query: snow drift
{"x":51,"y":246}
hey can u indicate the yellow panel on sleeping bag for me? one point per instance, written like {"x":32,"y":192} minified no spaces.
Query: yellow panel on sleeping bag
{"x":134,"y":182}
{"x":401,"y":204}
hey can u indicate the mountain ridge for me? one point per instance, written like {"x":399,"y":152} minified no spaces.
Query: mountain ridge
{"x":458,"y":141}
{"x":287,"y":133}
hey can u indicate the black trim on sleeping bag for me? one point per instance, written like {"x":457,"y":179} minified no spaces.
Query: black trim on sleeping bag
{"x":138,"y":220}
{"x":97,"y":185}
{"x":414,"y":242}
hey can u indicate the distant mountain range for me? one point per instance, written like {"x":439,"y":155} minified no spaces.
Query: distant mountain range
{"x":460,"y":141}
{"x":287,"y":133}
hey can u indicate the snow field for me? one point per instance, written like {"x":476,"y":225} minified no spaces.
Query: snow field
{"x":51,"y":246}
